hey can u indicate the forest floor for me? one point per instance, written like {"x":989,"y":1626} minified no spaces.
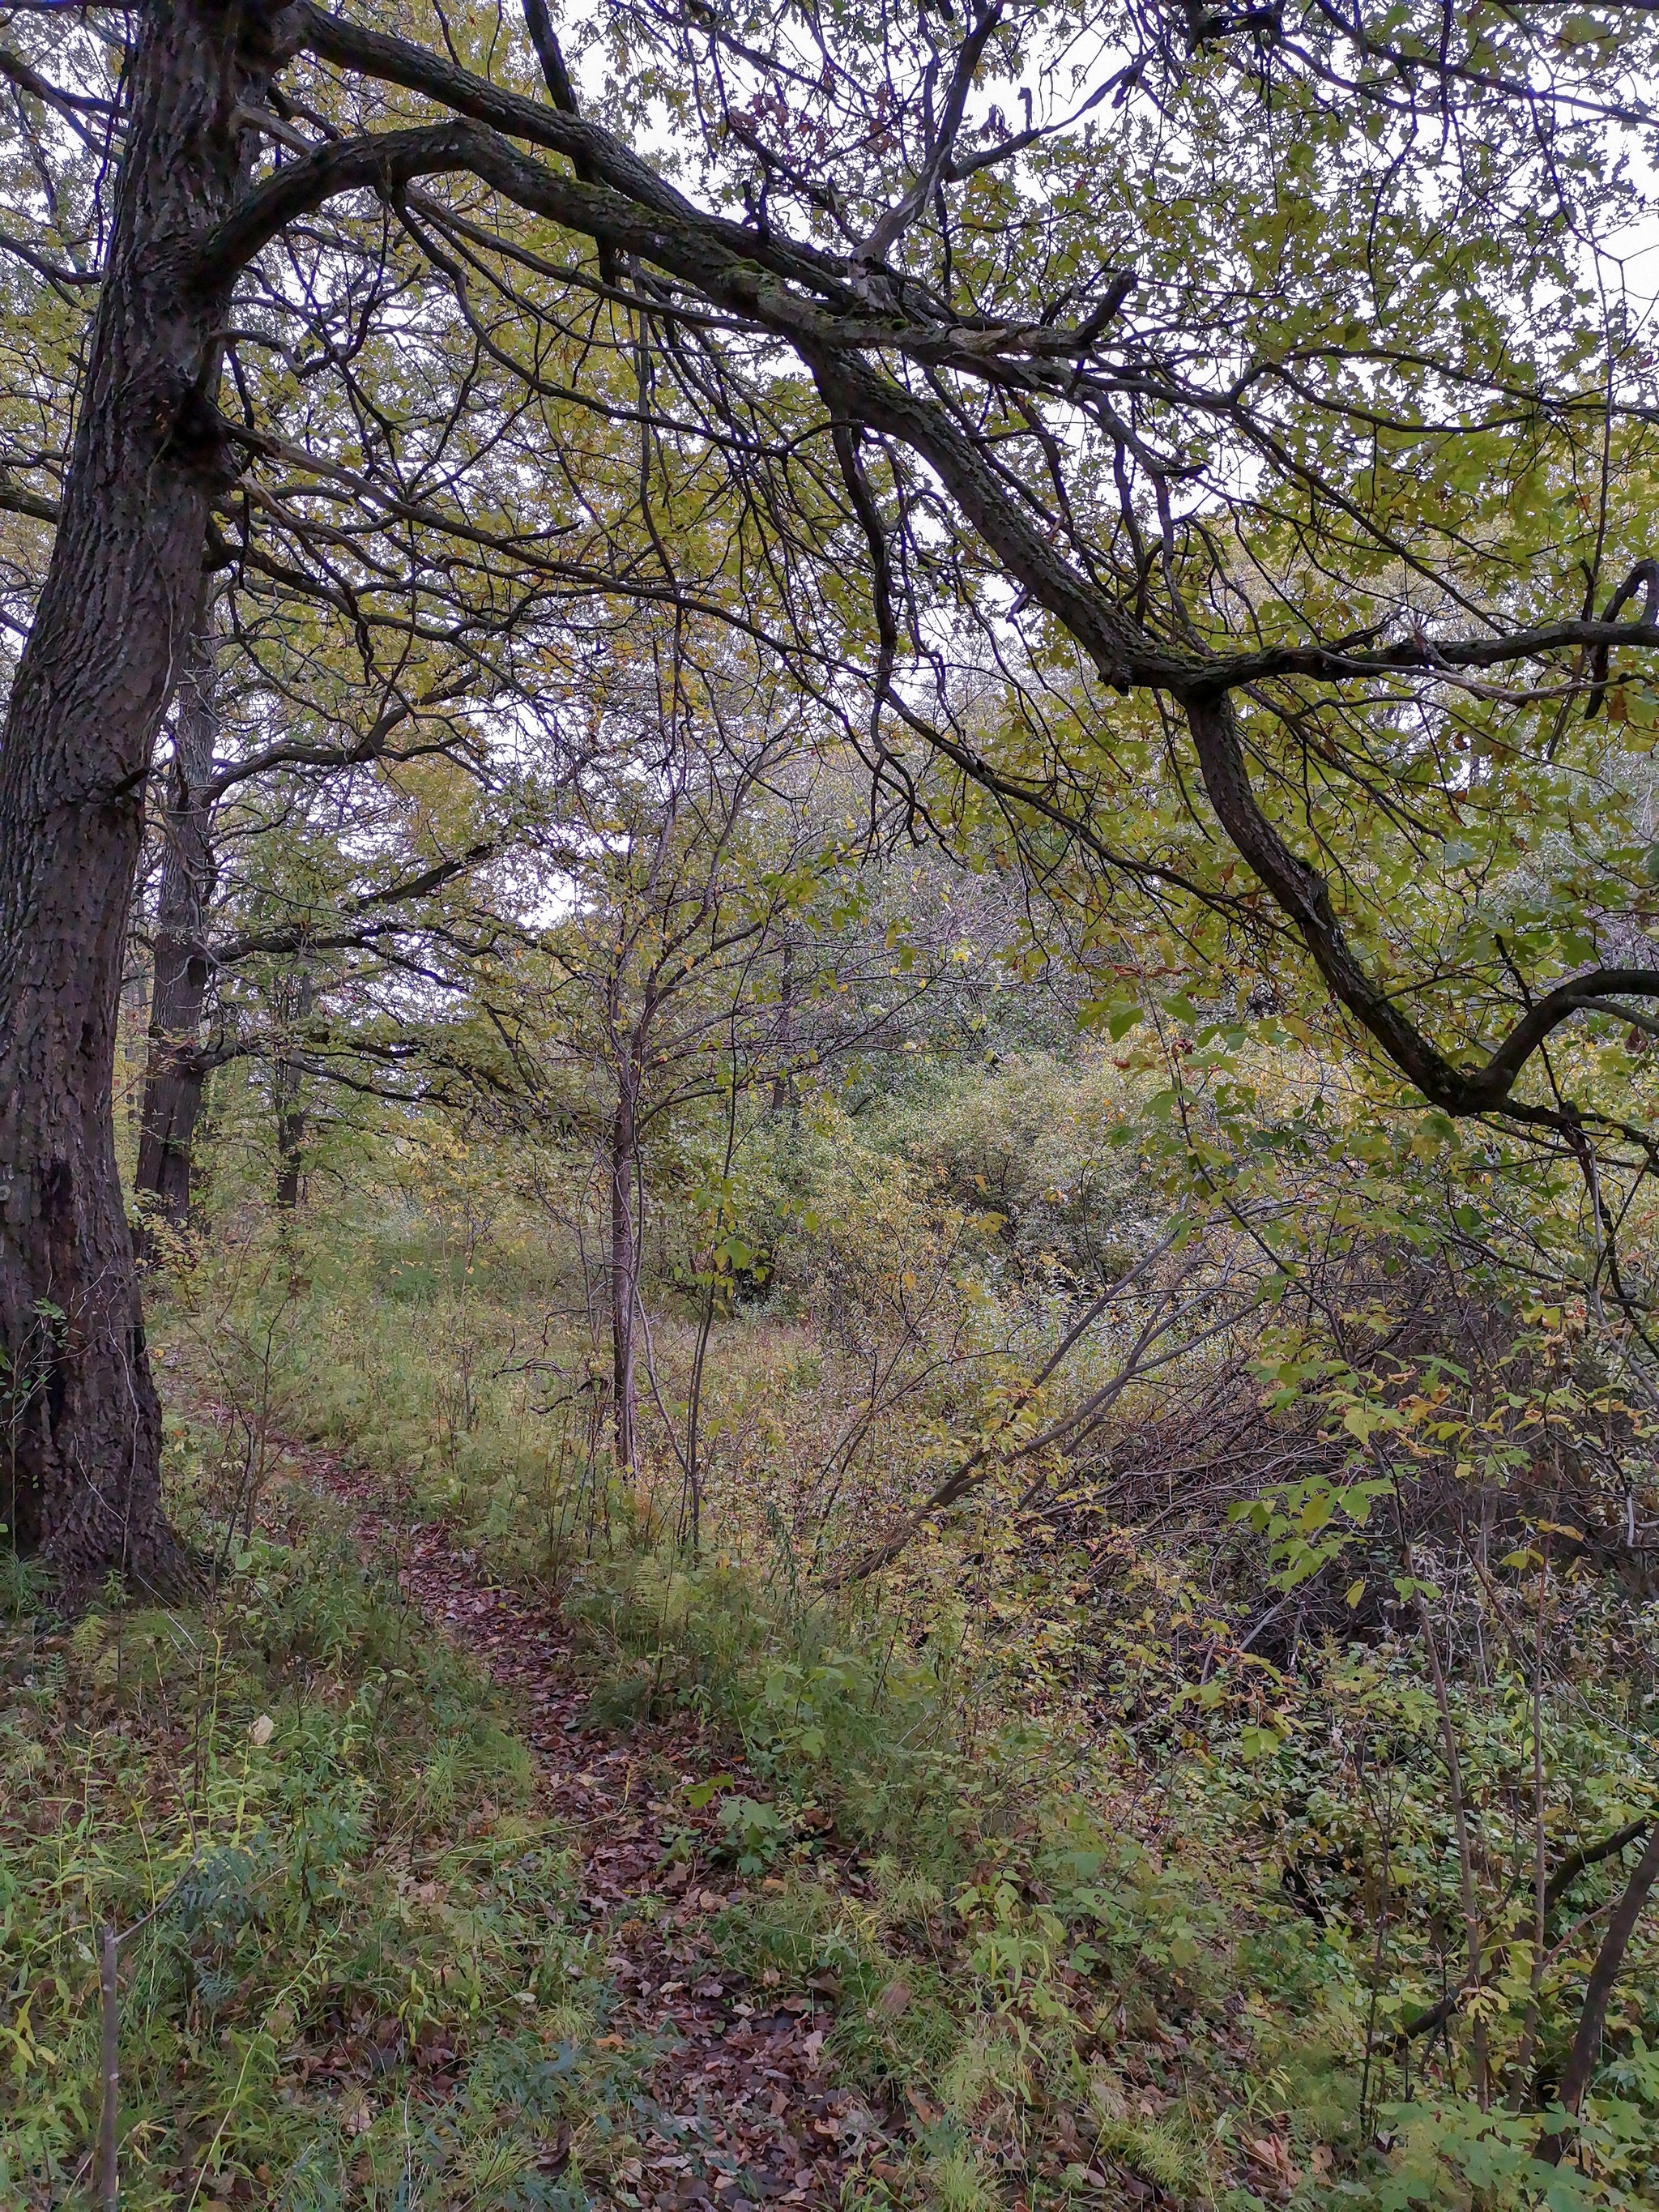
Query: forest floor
{"x":733,"y":2107}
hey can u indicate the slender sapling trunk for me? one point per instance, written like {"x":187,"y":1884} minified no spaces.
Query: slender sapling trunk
{"x":624,"y":1273}
{"x":287,"y":1096}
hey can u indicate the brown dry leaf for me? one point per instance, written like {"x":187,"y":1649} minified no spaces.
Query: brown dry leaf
{"x":1273,"y":2153}
{"x":894,"y":1999}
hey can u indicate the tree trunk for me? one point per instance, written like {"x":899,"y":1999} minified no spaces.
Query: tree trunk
{"x":1587,"y":2043}
{"x":80,"y":1425}
{"x":174,"y":1076}
{"x":624,"y":1276}
{"x":783,"y":1083}
{"x":289,"y":1096}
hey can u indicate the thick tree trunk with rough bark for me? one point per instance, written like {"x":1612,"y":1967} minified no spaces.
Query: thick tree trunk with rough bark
{"x":174,"y":1075}
{"x":80,"y":1427}
{"x":624,"y":1274}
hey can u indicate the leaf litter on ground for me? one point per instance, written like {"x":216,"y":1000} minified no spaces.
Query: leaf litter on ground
{"x":732,"y":2103}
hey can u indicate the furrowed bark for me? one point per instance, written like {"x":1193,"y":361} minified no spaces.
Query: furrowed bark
{"x":175,"y":1074}
{"x":80,"y":1436}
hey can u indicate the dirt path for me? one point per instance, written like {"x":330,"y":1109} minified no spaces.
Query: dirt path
{"x":734,"y":2107}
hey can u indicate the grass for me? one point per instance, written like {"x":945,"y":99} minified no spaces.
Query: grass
{"x":914,"y":1843}
{"x":1060,"y":1950}
{"x":355,"y":1973}
{"x":1047,"y":1999}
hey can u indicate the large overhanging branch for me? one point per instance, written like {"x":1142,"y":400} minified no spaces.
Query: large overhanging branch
{"x":836,"y":315}
{"x":832,"y":310}
{"x":18,"y":499}
{"x":882,"y":306}
{"x":1204,"y":694}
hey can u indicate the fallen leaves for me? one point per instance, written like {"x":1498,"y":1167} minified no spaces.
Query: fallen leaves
{"x":1272,"y":2155}
{"x":731,"y":2107}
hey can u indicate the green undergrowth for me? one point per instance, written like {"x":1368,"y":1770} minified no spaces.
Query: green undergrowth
{"x":396,"y":1347}
{"x":1042,"y":2001}
{"x":1070,"y":1962}
{"x":1074,"y":1970}
{"x":1056,"y":2003}
{"x":353,"y":1972}
{"x":832,"y":1707}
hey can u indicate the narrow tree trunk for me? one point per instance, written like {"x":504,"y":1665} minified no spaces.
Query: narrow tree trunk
{"x":290,"y":1137}
{"x":1587,"y":2043}
{"x":624,"y":1275}
{"x":783,"y":1083}
{"x":80,"y":1427}
{"x":287,"y":1085}
{"x":174,"y":1076}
